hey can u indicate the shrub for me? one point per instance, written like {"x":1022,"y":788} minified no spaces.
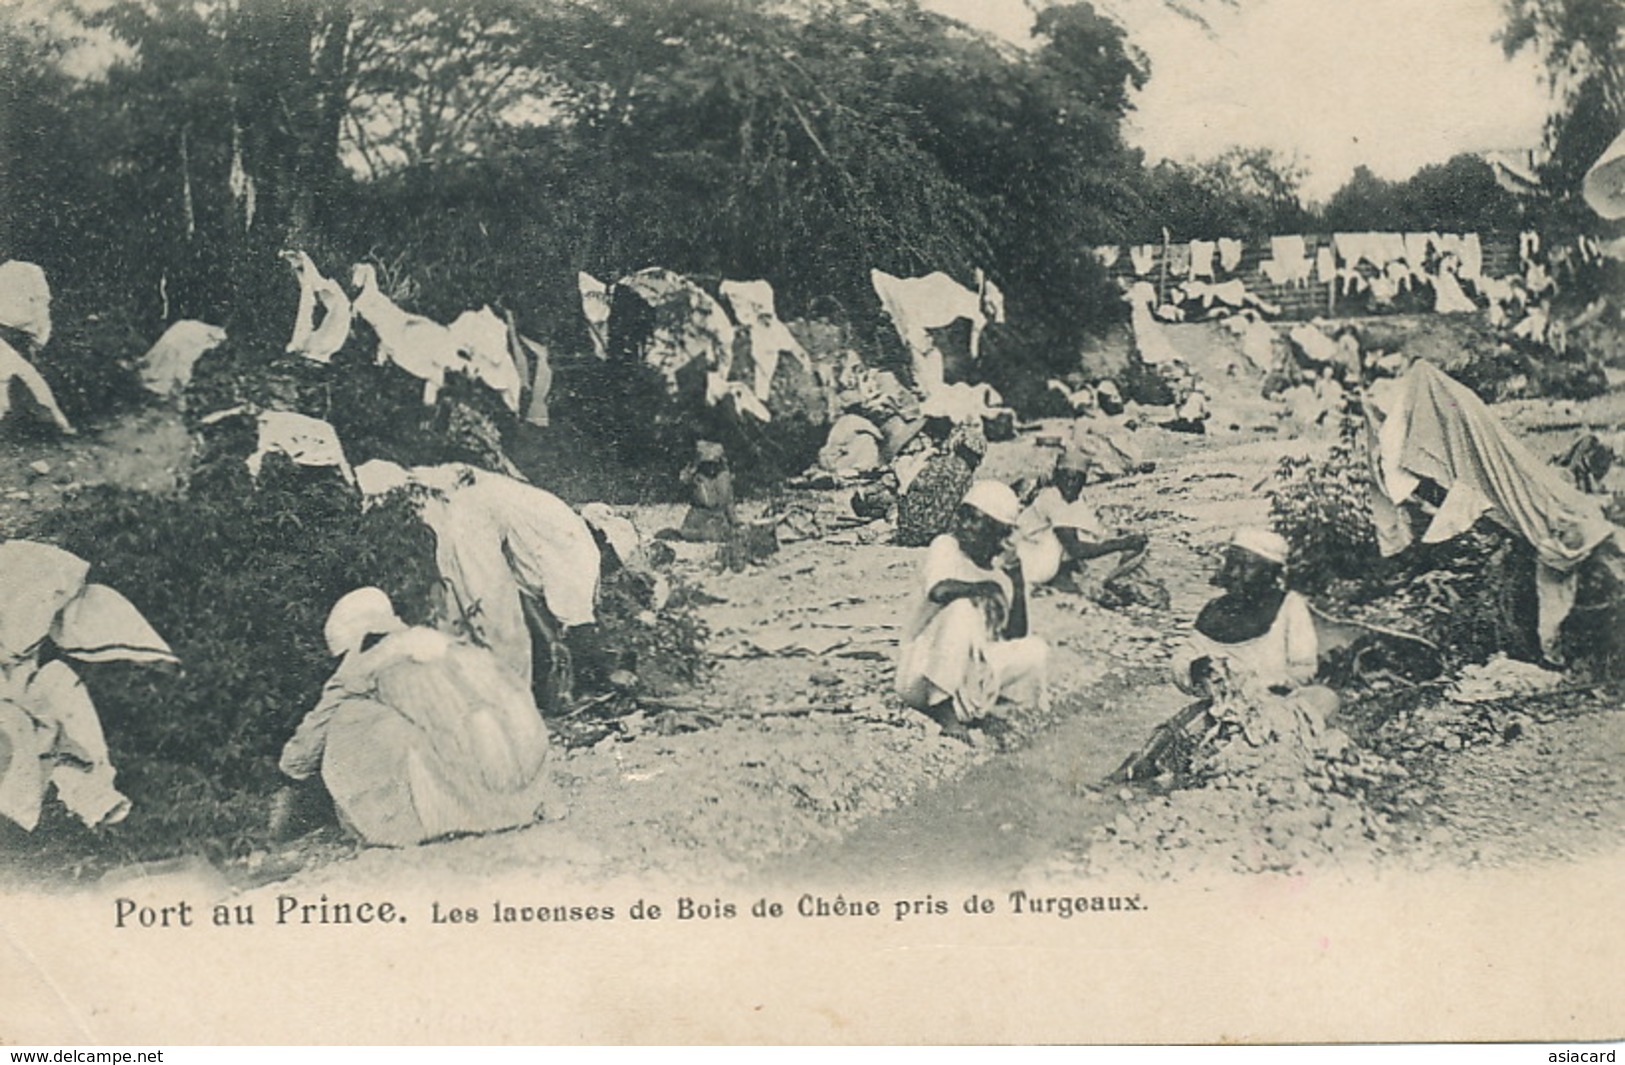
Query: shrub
{"x":90,"y":365}
{"x":1323,"y":509}
{"x":239,"y":580}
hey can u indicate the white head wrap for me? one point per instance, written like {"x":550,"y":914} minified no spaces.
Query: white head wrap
{"x":1266,"y":544}
{"x":996,"y":500}
{"x":358,"y":615}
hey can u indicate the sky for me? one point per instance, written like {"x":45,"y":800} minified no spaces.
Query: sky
{"x":1391,"y":84}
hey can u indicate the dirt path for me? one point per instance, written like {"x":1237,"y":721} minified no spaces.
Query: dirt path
{"x":150,"y":451}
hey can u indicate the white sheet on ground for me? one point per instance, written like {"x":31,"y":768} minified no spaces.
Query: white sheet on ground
{"x":1438,"y":429}
{"x":307,"y":441}
{"x":166,"y":368}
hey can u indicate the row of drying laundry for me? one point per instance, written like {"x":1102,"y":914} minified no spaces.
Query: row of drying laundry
{"x":478,"y":343}
{"x":678,"y":324}
{"x":1299,"y":259}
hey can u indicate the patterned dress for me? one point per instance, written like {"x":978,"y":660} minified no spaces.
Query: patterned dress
{"x":926,"y":507}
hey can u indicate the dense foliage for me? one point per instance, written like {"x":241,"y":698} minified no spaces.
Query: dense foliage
{"x":1457,"y":196}
{"x":1322,"y":507}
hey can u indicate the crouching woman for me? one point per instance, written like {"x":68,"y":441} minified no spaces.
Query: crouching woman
{"x":966,"y":644}
{"x":1257,"y":634}
{"x":419,"y":735}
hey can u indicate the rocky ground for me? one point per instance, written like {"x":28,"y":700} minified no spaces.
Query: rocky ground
{"x":793,"y":760}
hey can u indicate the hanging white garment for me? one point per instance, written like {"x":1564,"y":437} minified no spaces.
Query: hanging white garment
{"x":305,"y":440}
{"x":482,"y":339}
{"x":1472,"y":257}
{"x":318,"y":342}
{"x":50,"y":736}
{"x":1230,"y":251}
{"x":919,"y":304}
{"x":1417,"y":246}
{"x":1143,"y":257}
{"x":1390,"y":248}
{"x":1325,"y":265}
{"x":100,"y":625}
{"x":753,"y":306}
{"x":1289,"y":251}
{"x":1604,"y":184}
{"x":1353,"y":248}
{"x":1202,"y":252}
{"x":1289,"y":262}
{"x":1108,"y":254}
{"x":13,"y":365}
{"x":1436,"y":428}
{"x":25,"y":300}
{"x":422,"y":347}
{"x":81,"y":770}
{"x":39,"y":579}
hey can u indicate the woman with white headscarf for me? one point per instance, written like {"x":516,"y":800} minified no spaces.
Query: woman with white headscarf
{"x":966,"y":644}
{"x":418,"y":735}
{"x":1262,"y":631}
{"x":1258,"y":638}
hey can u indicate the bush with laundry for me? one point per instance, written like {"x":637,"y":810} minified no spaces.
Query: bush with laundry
{"x":238,"y":578}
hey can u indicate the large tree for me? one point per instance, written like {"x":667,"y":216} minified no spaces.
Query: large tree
{"x":1582,"y":45}
{"x":1243,"y":192}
